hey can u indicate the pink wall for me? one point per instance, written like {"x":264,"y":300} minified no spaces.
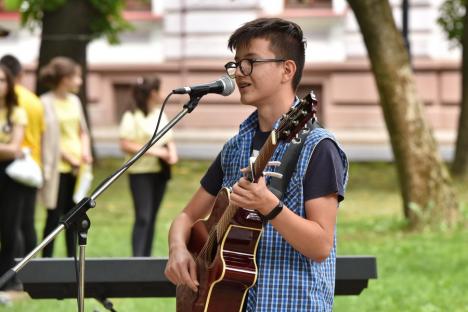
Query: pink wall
{"x":347,"y":94}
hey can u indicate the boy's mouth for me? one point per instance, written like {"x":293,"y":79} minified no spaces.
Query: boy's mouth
{"x":243,"y":85}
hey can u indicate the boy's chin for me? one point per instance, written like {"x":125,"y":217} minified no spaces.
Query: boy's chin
{"x":247,"y":100}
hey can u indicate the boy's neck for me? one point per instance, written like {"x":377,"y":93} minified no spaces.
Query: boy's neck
{"x":269,"y":113}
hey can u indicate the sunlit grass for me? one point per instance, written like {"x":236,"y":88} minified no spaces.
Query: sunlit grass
{"x":418,"y":271}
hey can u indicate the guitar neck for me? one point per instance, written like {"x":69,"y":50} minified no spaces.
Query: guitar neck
{"x":265,"y":154}
{"x":258,"y":166}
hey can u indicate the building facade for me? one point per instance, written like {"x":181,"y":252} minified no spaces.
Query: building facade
{"x":184,"y":41}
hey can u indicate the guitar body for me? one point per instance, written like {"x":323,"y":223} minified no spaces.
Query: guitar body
{"x":226,"y":267}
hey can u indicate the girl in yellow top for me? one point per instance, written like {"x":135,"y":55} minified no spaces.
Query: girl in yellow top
{"x":27,"y":238}
{"x":13,"y":119}
{"x":148,"y":176}
{"x":66,"y":145}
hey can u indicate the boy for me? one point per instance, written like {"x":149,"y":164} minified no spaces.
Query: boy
{"x":296,"y":254}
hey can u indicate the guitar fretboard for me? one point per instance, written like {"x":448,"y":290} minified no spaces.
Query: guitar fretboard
{"x":259,"y":165}
{"x":217,"y":232}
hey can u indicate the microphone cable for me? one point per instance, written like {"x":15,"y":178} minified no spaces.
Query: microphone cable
{"x":145,"y":147}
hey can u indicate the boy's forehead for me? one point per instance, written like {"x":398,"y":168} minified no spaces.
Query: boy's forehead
{"x":254,"y":47}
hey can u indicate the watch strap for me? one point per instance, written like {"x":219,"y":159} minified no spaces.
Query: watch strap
{"x":274,"y":212}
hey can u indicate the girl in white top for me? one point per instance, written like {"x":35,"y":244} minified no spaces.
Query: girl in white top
{"x":149,"y":175}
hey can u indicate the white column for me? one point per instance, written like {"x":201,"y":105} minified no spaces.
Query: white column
{"x":157,"y":7}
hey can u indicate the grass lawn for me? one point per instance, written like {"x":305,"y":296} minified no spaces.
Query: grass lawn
{"x":424,"y":271}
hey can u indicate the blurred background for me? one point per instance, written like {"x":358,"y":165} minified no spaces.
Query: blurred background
{"x":184,"y":41}
{"x":394,"y":210}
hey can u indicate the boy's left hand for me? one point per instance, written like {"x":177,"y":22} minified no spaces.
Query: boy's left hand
{"x":255,"y":196}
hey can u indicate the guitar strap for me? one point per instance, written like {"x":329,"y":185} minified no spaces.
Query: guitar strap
{"x":288,"y":163}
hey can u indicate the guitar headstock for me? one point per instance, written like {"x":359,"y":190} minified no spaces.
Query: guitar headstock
{"x":294,"y":120}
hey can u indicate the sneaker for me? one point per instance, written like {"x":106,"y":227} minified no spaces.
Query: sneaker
{"x":5,"y":299}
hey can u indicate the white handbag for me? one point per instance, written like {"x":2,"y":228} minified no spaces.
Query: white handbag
{"x":25,"y":170}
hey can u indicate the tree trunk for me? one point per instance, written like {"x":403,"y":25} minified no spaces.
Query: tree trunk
{"x":460,"y":162}
{"x":425,"y":184}
{"x":66,"y":32}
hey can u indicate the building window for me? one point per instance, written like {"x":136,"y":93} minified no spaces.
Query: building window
{"x":138,"y":5}
{"x":308,"y":4}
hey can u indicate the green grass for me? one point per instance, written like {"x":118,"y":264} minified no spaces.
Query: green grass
{"x":417,"y":271}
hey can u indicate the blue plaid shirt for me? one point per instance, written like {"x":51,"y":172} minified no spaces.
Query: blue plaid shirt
{"x":287,"y":280}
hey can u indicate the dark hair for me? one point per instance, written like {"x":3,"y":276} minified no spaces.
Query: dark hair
{"x":58,"y":68}
{"x":12,"y":63}
{"x":286,"y":40}
{"x":142,"y":91}
{"x":10,"y":98}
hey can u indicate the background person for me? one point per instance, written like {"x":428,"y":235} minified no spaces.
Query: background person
{"x":67,"y":143}
{"x":149,"y":175}
{"x":13,"y":120}
{"x":27,"y":238}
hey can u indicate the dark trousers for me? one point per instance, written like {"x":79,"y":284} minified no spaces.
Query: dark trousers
{"x":10,"y":215}
{"x":64,"y":204}
{"x":147,"y":193}
{"x":27,"y":238}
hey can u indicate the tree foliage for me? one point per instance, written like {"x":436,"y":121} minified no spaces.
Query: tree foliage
{"x":451,"y":17}
{"x":107,"y":21}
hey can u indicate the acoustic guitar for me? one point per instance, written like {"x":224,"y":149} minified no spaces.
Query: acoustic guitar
{"x":224,"y":245}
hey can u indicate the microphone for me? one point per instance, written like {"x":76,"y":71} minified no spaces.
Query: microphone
{"x":223,"y":86}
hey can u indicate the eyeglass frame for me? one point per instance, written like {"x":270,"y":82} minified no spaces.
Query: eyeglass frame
{"x":252,"y":61}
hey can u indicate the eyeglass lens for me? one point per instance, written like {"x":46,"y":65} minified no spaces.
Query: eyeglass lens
{"x":245,"y":67}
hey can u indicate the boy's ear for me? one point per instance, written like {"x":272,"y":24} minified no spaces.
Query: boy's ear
{"x":289,"y":69}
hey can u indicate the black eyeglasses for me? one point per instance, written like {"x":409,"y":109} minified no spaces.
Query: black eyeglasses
{"x":245,"y":66}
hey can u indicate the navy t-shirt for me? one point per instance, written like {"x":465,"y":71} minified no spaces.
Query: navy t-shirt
{"x":324,"y":173}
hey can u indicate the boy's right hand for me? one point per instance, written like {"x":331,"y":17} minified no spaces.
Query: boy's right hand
{"x":181,"y":268}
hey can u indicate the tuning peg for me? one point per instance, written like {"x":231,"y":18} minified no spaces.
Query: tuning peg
{"x":296,"y":139}
{"x":272,"y":174}
{"x":274,"y":163}
{"x":312,"y":95}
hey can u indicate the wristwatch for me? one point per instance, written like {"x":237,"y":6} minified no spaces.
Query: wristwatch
{"x":274,"y":212}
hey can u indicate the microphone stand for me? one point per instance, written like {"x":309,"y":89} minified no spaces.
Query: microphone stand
{"x":77,"y":216}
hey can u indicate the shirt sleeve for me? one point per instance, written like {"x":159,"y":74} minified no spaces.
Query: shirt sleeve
{"x":127,"y":126}
{"x":169,"y":136}
{"x":19,"y":116}
{"x":212,"y":181}
{"x":79,"y":107}
{"x":325,"y":172}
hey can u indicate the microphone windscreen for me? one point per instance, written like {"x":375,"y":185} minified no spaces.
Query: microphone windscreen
{"x":229,"y":85}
